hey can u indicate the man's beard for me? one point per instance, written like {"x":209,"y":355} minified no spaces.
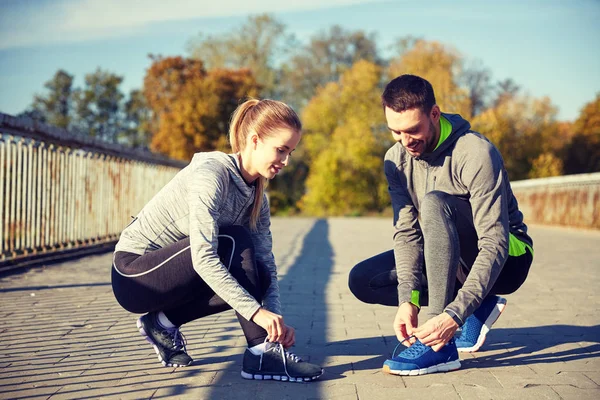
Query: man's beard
{"x":431,"y":144}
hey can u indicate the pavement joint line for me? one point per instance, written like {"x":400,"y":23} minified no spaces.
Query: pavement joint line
{"x":533,"y":351}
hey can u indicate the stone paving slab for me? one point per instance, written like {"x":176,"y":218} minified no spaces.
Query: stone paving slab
{"x":63,"y":336}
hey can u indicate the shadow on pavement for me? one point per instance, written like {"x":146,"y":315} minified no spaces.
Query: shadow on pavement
{"x":503,"y":347}
{"x":304,"y":307}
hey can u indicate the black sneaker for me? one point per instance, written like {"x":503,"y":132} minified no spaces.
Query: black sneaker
{"x":278,"y":364}
{"x":169,"y":344}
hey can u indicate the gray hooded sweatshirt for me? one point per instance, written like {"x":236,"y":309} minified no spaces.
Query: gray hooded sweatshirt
{"x":468,"y":166}
{"x":207,"y":194}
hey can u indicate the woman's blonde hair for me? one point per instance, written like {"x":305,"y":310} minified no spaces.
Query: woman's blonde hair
{"x":263,"y":117}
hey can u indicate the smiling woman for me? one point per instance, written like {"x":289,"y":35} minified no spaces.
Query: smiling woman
{"x":203,"y":244}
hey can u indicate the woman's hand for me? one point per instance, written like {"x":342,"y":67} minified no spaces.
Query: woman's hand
{"x":290,"y":337}
{"x":277,"y":331}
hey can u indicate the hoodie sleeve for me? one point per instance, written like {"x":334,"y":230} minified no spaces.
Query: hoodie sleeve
{"x":485,"y":178}
{"x":408,"y":238}
{"x":263,"y":245}
{"x":208,"y":190}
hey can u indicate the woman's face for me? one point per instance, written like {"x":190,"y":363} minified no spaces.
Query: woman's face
{"x":272,"y":153}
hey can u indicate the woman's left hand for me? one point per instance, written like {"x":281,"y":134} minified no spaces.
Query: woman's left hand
{"x":290,"y":337}
{"x":436,"y":332}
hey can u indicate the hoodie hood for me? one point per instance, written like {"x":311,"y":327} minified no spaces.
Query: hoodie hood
{"x":460,"y":126}
{"x":231,"y":163}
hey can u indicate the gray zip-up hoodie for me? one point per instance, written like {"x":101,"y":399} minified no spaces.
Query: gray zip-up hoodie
{"x":207,"y":194}
{"x":465,"y":165}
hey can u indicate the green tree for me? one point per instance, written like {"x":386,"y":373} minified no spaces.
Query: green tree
{"x":257,"y":45}
{"x":54,"y":108}
{"x":344,"y":143}
{"x":98,"y":106}
{"x":136,"y":129}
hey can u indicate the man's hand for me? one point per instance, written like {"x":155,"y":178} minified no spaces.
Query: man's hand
{"x":436,"y":332}
{"x":405,"y":322}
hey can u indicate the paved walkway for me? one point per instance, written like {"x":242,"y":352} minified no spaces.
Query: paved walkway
{"x":64,"y":336}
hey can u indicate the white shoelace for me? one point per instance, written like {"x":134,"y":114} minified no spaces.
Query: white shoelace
{"x":179,"y":341}
{"x":278,"y":348}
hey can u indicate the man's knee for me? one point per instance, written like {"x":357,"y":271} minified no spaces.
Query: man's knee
{"x":435,"y":201}
{"x":358,"y":280}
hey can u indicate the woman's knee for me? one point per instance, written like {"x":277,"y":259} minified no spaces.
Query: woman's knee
{"x":239,"y":235}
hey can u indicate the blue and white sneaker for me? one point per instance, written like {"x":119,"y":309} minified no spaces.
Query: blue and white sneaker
{"x":479,"y":324}
{"x":419,"y":359}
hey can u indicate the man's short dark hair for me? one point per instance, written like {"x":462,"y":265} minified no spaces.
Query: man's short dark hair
{"x":407,"y":92}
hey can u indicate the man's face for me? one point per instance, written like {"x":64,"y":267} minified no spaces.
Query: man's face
{"x":418,"y":132}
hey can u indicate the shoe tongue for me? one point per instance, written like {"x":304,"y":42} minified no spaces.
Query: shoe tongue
{"x":271,"y":345}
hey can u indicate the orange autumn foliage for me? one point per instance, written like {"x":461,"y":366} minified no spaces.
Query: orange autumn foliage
{"x":191,"y":106}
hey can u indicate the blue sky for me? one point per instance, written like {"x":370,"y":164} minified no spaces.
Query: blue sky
{"x":550,"y":47}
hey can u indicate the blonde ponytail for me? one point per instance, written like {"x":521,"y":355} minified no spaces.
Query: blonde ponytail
{"x":237,"y":130}
{"x":262,"y":117}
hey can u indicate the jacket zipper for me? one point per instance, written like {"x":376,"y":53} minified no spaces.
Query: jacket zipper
{"x":245,"y":204}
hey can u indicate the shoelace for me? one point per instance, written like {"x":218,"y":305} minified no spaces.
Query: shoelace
{"x":413,"y":350}
{"x":179,"y":341}
{"x":278,"y":348}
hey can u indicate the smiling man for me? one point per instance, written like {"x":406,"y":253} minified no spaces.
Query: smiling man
{"x":459,"y":233}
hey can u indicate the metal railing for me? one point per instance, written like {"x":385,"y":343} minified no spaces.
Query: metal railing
{"x":61,"y":193}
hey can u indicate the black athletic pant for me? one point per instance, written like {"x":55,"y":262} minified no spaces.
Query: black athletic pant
{"x":165,"y":280}
{"x":450,"y":242}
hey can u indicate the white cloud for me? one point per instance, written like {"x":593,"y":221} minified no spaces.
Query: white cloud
{"x":28,"y":23}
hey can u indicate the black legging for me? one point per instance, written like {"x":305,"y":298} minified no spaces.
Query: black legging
{"x":374,"y":280}
{"x":449,"y":237}
{"x":176,"y":289}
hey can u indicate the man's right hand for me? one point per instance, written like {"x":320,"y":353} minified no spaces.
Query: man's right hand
{"x":405,"y":322}
{"x":272,"y":323}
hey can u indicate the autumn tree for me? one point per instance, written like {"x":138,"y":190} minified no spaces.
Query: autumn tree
{"x":257,"y":45}
{"x":344,"y":139}
{"x":324,"y":59}
{"x":523,"y":129}
{"x":477,"y":80}
{"x":191,"y":106}
{"x":442,"y":66}
{"x":582,"y":154}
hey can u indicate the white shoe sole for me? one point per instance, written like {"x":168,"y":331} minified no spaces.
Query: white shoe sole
{"x":444,"y":367}
{"x":283,"y":378}
{"x":491,"y":319}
